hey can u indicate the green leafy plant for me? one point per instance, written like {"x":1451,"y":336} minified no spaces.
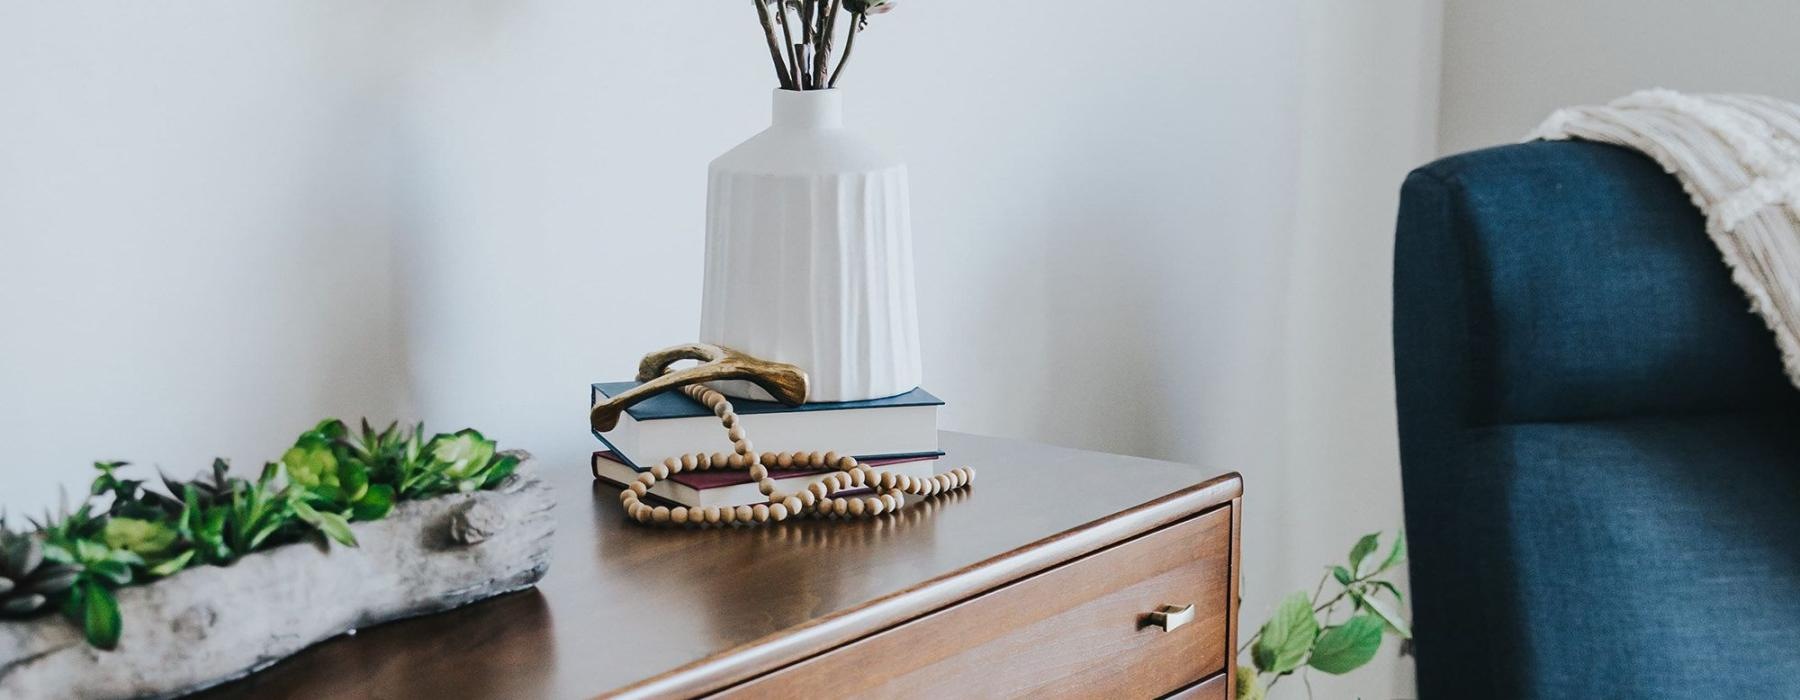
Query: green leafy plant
{"x":1304,"y":633}
{"x":126,"y":533}
{"x":28,"y":582}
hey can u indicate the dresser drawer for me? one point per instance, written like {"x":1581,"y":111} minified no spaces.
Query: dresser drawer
{"x":1079,"y":629}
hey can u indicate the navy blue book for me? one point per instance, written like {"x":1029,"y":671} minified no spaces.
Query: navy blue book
{"x":671,"y":424}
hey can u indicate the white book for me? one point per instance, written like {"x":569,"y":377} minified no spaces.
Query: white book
{"x":671,"y":424}
{"x":696,"y":494}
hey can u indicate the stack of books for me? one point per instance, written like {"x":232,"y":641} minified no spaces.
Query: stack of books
{"x":897,"y":434}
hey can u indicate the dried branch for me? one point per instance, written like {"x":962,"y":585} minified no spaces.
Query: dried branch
{"x":856,"y":26}
{"x":795,"y":76}
{"x":768,"y":25}
{"x":822,"y":54}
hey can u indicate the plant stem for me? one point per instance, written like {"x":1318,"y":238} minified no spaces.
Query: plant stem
{"x":822,"y":54}
{"x":768,"y":25}
{"x":788,"y":35}
{"x":849,"y":45}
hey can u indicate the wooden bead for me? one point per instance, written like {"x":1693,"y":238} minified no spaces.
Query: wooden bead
{"x":735,"y":461}
{"x":858,"y":477}
{"x":728,"y":515}
{"x":769,"y":459}
{"x":892,"y":501}
{"x":766,"y":486}
{"x":831,"y":457}
{"x":735,"y":434}
{"x":792,"y":503}
{"x":759,"y":512}
{"x":718,"y":460}
{"x":886,"y":480}
{"x":818,"y":489}
{"x":758,"y":473}
{"x":678,"y":515}
{"x":673,"y":464}
{"x":660,"y":514}
{"x":856,"y":506}
{"x":778,"y":511}
{"x":844,"y":462}
{"x":807,"y":498}
{"x":874,"y":506}
{"x":710,"y":514}
{"x":660,"y":472}
{"x":744,"y":447}
{"x":640,"y":512}
{"x":744,"y":513}
{"x":639,"y":488}
{"x":627,"y":497}
{"x":688,"y":463}
{"x":815,"y":459}
{"x":646,"y":479}
{"x":785,"y":460}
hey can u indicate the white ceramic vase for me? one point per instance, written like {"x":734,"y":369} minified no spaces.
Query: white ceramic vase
{"x":809,"y":255}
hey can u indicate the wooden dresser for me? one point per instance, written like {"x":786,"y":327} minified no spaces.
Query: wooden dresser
{"x":1055,"y":575}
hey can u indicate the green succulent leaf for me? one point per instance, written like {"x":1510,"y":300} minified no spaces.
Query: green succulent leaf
{"x":1346,"y":647}
{"x":331,"y":524}
{"x":311,"y":463}
{"x":1362,"y":549}
{"x":375,"y":504}
{"x":463,"y":454}
{"x":139,"y":536}
{"x":1282,"y":643}
{"x":172,"y":566}
{"x":100,"y":618}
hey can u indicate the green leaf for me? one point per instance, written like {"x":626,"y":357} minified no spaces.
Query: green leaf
{"x":1391,"y":589}
{"x":1282,"y":643}
{"x":1363,"y":548}
{"x":117,"y":572}
{"x":1395,"y":555}
{"x":1341,"y":574}
{"x":100,"y":618}
{"x":140,"y":536}
{"x":1348,"y":646}
{"x":170,"y":567}
{"x":333,"y":525}
{"x":375,"y":503}
{"x":1382,"y":609}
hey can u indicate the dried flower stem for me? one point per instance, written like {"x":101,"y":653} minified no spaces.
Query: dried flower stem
{"x":856,"y":25}
{"x":822,"y":57}
{"x":795,"y":76}
{"x":768,"y":25}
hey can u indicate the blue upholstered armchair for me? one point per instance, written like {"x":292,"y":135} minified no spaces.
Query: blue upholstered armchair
{"x":1601,"y":454}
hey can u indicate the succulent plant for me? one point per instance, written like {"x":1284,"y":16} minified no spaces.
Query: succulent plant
{"x":28,"y":582}
{"x":334,"y":480}
{"x":74,"y":558}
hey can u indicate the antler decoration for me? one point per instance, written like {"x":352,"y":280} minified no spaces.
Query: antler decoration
{"x":785,"y":382}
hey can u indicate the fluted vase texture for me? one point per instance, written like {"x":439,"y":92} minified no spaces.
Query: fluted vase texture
{"x":809,"y":255}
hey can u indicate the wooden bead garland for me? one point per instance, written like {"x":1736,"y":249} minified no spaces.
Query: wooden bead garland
{"x":819,"y":500}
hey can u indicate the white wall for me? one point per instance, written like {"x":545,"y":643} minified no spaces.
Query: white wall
{"x":1507,"y":65}
{"x":196,"y":221}
{"x":1165,"y":235}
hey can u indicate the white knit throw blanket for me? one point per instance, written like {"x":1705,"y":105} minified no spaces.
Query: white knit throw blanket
{"x":1738,"y":157}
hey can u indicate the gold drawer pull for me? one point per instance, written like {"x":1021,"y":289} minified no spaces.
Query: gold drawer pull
{"x":1169,"y":617}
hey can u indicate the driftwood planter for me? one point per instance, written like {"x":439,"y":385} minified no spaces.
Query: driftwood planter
{"x":210,"y":624}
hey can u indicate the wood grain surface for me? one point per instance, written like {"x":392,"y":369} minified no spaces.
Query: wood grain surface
{"x":643,"y":612}
{"x":1077,"y":630}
